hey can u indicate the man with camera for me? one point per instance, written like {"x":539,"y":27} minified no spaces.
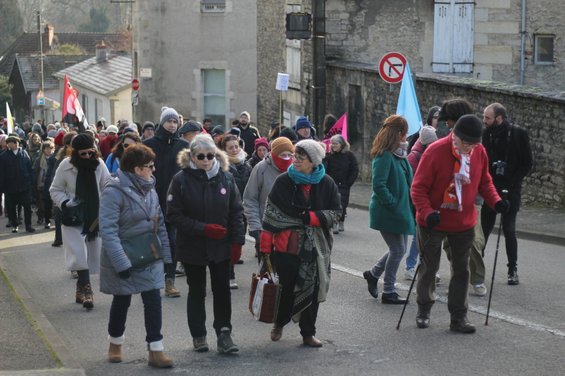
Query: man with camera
{"x":510,"y":158}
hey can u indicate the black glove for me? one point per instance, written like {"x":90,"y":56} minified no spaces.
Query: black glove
{"x":125,"y":274}
{"x":255,"y":234}
{"x":502,"y":206}
{"x":64,"y":204}
{"x":432,"y":220}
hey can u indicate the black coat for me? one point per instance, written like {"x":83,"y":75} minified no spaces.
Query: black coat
{"x":249,"y":135}
{"x":344,"y":169}
{"x":166,"y":147}
{"x":16,"y":173}
{"x":241,"y":173}
{"x":195,"y":201}
{"x":509,"y":144}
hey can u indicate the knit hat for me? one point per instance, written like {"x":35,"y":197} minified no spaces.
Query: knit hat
{"x":427,"y":135}
{"x":246,"y":113}
{"x":112,"y":129}
{"x":262,"y":141}
{"x":235,"y":131}
{"x":52,"y":133}
{"x":217,"y":130}
{"x":147,"y":125}
{"x":37,"y":129}
{"x":82,"y":141}
{"x":302,"y":122}
{"x":168,"y":113}
{"x":280,"y":145}
{"x":190,"y":126}
{"x":315,"y":151}
{"x":469,"y":128}
{"x":289,"y":133}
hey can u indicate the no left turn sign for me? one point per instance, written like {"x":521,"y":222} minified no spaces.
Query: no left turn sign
{"x":391,"y":67}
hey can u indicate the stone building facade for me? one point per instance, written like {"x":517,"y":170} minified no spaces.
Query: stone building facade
{"x":198,"y":56}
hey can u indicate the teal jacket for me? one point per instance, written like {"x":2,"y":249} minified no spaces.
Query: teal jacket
{"x":390,"y":209}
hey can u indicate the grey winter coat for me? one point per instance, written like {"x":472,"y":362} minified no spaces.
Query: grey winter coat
{"x":126,"y":212}
{"x":257,"y":190}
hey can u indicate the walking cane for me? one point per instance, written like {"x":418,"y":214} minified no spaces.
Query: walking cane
{"x":504,"y":196}
{"x":412,"y":283}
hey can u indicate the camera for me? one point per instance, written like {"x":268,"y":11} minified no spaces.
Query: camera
{"x":499,"y":167}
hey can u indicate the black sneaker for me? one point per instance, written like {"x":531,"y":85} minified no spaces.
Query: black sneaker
{"x":30,"y":229}
{"x":15,"y":229}
{"x":462,"y":326}
{"x":513,"y":279}
{"x":392,"y":298}
{"x":225,"y":343}
{"x":371,"y":284}
{"x":423,"y":317}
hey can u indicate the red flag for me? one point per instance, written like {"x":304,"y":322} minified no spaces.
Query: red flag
{"x":71,"y":105}
{"x":340,"y":127}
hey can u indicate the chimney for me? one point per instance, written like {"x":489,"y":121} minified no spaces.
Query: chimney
{"x":101,"y":55}
{"x":48,"y":34}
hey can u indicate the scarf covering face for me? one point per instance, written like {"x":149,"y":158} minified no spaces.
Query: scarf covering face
{"x":282,"y":164}
{"x":142,"y":185}
{"x":86,"y":191}
{"x":453,"y":195}
{"x":301,"y":178}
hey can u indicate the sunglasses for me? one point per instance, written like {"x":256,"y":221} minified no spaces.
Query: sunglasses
{"x":208,"y":156}
{"x":126,"y":145}
{"x":150,"y":166}
{"x":88,"y":153}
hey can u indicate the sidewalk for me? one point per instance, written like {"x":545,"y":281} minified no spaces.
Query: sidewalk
{"x":539,"y":224}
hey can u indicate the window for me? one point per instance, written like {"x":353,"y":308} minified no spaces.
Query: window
{"x":293,"y":62}
{"x":212,"y":6}
{"x":214,"y":81}
{"x":286,"y":119}
{"x":543,"y":49}
{"x":453,"y":36}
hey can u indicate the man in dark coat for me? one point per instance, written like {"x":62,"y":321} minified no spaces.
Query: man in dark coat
{"x":510,"y":158}
{"x":166,"y":145}
{"x":248,"y":133}
{"x":16,"y":177}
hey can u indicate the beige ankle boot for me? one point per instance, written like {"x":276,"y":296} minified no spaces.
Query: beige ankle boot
{"x":115,"y":350}
{"x":157,"y":358}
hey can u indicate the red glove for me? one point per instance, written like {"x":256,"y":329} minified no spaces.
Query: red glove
{"x":214,"y":231}
{"x":266,"y":244}
{"x":235,"y":253}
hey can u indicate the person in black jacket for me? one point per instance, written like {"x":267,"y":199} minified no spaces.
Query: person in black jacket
{"x":342,"y":166}
{"x":203,"y":201}
{"x":510,"y":158}
{"x":248,"y":132}
{"x":166,"y":145}
{"x":16,"y":178}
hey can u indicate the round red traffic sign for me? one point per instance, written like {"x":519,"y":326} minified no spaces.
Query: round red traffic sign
{"x":391,"y":67}
{"x":135,"y":84}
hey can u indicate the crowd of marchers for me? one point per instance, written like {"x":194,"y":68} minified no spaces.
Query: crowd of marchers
{"x":197,"y":189}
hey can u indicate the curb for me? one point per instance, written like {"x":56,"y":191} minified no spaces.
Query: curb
{"x":68,"y":365}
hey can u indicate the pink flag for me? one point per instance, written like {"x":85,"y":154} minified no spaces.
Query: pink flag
{"x":340,"y":127}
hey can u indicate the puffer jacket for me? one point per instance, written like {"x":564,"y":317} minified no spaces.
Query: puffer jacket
{"x":195,"y":200}
{"x":125,"y":212}
{"x":257,"y":190}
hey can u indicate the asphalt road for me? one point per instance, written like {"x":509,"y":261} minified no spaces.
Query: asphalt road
{"x":525,"y":335}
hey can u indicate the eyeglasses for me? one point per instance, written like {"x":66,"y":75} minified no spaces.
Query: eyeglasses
{"x":301,"y":158}
{"x":150,"y":166}
{"x":208,"y":156}
{"x":88,"y":153}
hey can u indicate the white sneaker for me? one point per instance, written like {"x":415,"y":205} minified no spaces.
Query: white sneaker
{"x":479,"y":290}
{"x":409,"y":274}
{"x":438,"y":279}
{"x":233,"y":284}
{"x":335,"y":229}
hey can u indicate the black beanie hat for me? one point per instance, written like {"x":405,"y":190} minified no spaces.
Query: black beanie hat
{"x":82,"y":141}
{"x":469,"y":128}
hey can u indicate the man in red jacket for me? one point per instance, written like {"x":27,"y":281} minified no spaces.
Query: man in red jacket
{"x":450,"y":174}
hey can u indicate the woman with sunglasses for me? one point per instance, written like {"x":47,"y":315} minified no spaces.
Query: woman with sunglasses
{"x":125,"y":140}
{"x":301,"y":209}
{"x":204,"y":203}
{"x":390,"y":209}
{"x":130,"y":208}
{"x":79,"y":181}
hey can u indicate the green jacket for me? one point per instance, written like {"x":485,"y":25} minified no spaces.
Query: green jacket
{"x":390,"y":209}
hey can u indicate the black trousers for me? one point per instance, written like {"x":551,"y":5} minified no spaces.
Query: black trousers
{"x":488,"y":219}
{"x":195,"y":303}
{"x":15,"y":199}
{"x":287,"y":266}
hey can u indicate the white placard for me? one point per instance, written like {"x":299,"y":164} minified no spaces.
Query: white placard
{"x":145,"y":72}
{"x":282,"y":81}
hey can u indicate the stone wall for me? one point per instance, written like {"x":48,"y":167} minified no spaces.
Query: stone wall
{"x":538,"y":112}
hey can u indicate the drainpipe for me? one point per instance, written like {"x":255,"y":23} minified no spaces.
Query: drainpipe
{"x":523,"y":44}
{"x":319,"y":62}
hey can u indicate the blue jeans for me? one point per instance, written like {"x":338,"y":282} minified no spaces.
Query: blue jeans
{"x":151,"y":308}
{"x":412,"y":258}
{"x":389,"y":262}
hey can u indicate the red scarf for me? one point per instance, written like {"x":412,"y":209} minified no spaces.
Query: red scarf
{"x":453,"y":195}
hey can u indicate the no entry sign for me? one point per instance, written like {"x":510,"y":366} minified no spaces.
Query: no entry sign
{"x":391,"y":67}
{"x":135,"y":84}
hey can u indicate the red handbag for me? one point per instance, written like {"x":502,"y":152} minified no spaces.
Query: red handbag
{"x":264,"y":295}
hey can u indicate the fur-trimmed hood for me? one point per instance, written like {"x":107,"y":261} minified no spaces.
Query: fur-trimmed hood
{"x":183,"y":159}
